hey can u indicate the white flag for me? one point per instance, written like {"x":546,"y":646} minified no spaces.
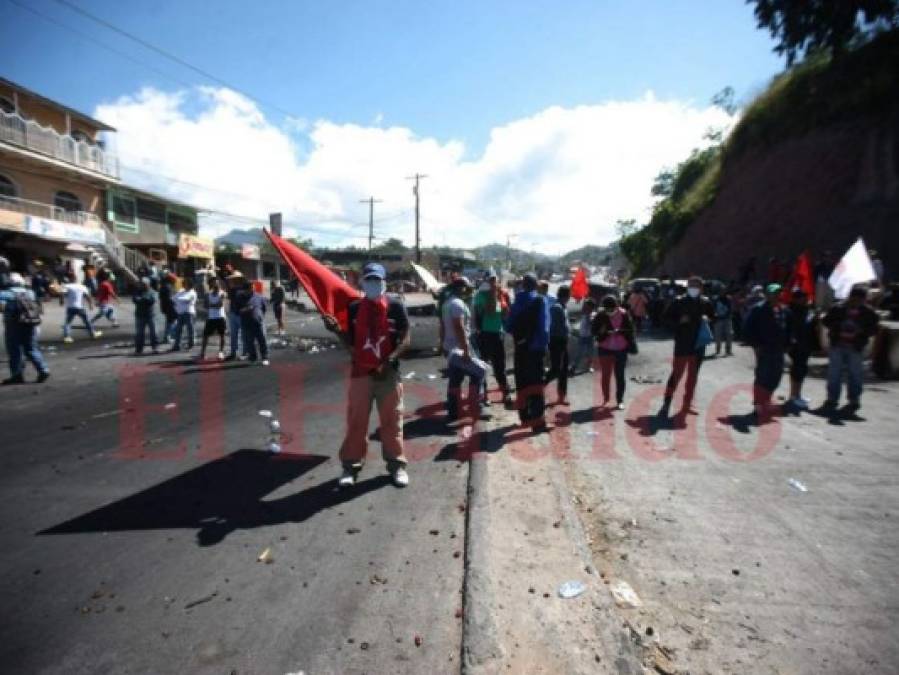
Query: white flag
{"x":854,"y":268}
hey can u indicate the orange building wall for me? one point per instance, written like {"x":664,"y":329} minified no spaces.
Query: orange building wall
{"x":42,"y":188}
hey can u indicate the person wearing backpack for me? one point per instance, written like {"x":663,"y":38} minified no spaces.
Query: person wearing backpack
{"x":21,"y":317}
{"x":528,"y":323}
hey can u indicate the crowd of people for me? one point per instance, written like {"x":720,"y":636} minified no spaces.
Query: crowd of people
{"x":778,"y":323}
{"x":233,"y":305}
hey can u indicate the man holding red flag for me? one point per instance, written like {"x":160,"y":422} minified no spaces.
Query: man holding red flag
{"x":376,"y":333}
{"x":800,"y":278}
{"x":579,"y":286}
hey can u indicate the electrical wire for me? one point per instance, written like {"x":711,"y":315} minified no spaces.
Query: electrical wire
{"x":172,"y":57}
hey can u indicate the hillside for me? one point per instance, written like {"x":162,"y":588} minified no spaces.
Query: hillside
{"x":813,"y":164}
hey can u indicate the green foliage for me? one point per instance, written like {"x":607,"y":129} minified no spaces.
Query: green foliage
{"x":828,"y":26}
{"x":685,"y":190}
{"x":392,"y":245}
{"x":821,"y":91}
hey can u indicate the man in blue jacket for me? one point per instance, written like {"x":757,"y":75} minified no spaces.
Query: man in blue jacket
{"x":528,"y":323}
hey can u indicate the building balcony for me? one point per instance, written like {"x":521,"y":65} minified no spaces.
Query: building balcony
{"x":26,"y":207}
{"x":28,"y":134}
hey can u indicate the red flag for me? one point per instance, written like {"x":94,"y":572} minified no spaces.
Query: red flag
{"x":331,"y":294}
{"x":800,"y":278}
{"x":579,"y":287}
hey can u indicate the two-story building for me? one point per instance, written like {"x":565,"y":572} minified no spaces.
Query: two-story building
{"x":61,"y":196}
{"x":164,"y":230}
{"x":54,"y":169}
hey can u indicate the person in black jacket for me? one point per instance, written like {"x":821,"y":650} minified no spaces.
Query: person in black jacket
{"x":767,"y":331}
{"x":167,"y":306}
{"x":689,"y":317}
{"x":802,"y":341}
{"x":850,"y":325}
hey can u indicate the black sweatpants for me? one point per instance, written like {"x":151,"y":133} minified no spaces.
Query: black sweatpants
{"x":529,"y":398}
{"x":558,"y":364}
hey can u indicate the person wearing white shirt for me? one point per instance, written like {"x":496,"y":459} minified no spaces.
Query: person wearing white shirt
{"x":75,"y":296}
{"x":186,"y":309}
{"x":215,"y":318}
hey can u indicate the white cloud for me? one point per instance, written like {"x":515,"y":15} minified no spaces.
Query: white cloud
{"x":558,"y":179}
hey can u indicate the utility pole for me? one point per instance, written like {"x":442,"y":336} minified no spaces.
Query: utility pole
{"x":415,"y":190}
{"x":371,"y":201}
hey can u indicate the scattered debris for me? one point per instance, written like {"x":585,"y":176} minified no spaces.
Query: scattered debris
{"x":571,"y":589}
{"x":432,"y":376}
{"x":353,"y":530}
{"x":266,"y":557}
{"x":434,"y":532}
{"x":625,"y":596}
{"x":265,"y":413}
{"x":798,"y":485}
{"x":418,"y":640}
{"x":170,"y":406}
{"x":409,"y":375}
{"x":735,"y":572}
{"x":376,"y":579}
{"x":205,"y":598}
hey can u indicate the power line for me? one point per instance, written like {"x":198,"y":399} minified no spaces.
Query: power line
{"x":170,"y":56}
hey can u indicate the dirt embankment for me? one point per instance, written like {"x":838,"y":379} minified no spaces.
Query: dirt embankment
{"x":819,"y":191}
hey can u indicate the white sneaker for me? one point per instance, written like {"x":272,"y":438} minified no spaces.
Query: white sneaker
{"x":221,"y":356}
{"x":97,"y":333}
{"x":265,"y":362}
{"x":347,"y":478}
{"x":68,"y":340}
{"x":401,"y":477}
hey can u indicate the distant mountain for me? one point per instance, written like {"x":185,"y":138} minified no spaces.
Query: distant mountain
{"x":591,"y":255}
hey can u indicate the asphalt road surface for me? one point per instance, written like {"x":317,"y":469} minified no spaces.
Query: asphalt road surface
{"x":138,"y":494}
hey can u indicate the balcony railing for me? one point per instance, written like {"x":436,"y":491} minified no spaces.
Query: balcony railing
{"x":49,"y":211}
{"x":29,"y":134}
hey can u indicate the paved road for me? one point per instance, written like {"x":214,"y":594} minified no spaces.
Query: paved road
{"x":131,"y":526}
{"x":740,"y":572}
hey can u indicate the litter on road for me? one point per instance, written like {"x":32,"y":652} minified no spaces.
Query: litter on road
{"x":625,"y":596}
{"x":798,"y":485}
{"x":571,"y":589}
{"x":266,"y":557}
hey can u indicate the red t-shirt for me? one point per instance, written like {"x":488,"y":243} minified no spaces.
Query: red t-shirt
{"x":105,"y":293}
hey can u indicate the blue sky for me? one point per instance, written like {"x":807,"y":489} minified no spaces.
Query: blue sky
{"x":448,"y":72}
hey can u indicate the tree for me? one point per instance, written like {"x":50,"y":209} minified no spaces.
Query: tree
{"x":392,"y":245}
{"x":304,"y":244}
{"x":625,"y":228}
{"x":663,"y":183}
{"x":724,"y":99}
{"x":801,"y":26}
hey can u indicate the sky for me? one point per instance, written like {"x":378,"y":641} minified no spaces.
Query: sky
{"x":541,"y":121}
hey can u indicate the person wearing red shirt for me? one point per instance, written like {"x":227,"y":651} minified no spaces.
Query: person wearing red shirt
{"x":105,"y":295}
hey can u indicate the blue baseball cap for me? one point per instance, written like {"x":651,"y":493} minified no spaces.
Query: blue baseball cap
{"x":374,"y":270}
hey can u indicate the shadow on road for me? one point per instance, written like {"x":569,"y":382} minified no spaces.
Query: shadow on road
{"x":221,"y":497}
{"x":483,"y":441}
{"x":650,"y":425}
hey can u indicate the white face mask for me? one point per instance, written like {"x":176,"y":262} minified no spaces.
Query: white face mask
{"x":374,"y":288}
{"x":693,"y":292}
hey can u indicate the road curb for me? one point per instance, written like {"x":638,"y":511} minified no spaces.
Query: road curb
{"x":480,"y":640}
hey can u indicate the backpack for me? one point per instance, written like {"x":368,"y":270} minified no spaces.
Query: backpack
{"x":28,"y":310}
